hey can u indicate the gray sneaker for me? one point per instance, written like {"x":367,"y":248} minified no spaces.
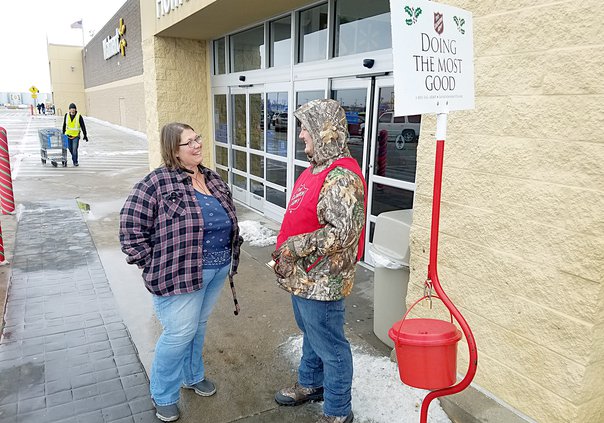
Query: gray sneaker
{"x":336,"y":419}
{"x":167,"y":413}
{"x":296,"y":395}
{"x":205,"y":388}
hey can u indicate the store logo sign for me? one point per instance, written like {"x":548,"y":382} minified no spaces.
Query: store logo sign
{"x":164,"y":7}
{"x":297,"y":198}
{"x":117,"y":43}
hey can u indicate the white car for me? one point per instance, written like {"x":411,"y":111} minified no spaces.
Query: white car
{"x":401,"y":129}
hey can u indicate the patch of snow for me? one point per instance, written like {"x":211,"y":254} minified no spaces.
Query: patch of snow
{"x":256,"y":234}
{"x":378,"y":395}
{"x":121,"y":128}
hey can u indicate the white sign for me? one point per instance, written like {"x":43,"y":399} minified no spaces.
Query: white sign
{"x":163,"y":7}
{"x":111,"y":45}
{"x":433,"y":53}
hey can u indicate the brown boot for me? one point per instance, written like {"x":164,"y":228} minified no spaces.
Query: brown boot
{"x":296,"y":395}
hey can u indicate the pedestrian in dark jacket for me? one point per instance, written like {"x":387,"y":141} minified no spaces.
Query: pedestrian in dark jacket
{"x":179,"y":225}
{"x":73,"y":125}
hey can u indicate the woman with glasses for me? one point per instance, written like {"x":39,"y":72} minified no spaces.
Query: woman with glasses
{"x":179,"y":225}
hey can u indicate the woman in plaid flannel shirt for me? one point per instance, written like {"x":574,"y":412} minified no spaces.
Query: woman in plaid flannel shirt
{"x":179,"y":225}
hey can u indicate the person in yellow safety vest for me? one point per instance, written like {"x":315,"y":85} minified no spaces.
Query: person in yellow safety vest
{"x":73,"y":124}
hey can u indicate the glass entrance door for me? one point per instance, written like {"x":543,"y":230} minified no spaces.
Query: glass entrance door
{"x":304,"y":91}
{"x":276,"y":102}
{"x":392,"y":156}
{"x":353,"y":95}
{"x":247,"y":145}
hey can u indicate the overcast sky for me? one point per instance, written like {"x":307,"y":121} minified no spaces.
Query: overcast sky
{"x":25,"y":26}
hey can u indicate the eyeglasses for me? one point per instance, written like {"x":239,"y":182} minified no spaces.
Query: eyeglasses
{"x":193,"y":142}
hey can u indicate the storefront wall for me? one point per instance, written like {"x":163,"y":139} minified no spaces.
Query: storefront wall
{"x":114,"y":84}
{"x":521,"y":235}
{"x":176,"y":89}
{"x":121,"y":103}
{"x":522,"y":222}
{"x":66,"y":77}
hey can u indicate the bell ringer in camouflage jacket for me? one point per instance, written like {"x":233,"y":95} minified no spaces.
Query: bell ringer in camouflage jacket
{"x":320,"y":265}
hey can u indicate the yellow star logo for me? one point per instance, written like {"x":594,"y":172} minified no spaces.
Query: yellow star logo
{"x":121,"y":31}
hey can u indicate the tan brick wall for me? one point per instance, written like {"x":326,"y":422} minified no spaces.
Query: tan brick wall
{"x":176,"y":73}
{"x":66,"y":77}
{"x":122,"y":105}
{"x":522,"y":222}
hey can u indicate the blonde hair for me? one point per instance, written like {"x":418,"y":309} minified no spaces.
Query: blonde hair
{"x":168,"y":141}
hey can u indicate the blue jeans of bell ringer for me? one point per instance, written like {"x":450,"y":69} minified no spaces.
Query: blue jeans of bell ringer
{"x":184,"y":318}
{"x":326,"y":356}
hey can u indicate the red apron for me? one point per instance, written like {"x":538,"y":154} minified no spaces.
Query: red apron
{"x":301,"y":214}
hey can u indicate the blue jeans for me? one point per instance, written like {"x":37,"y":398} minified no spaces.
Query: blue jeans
{"x":72,"y":145}
{"x":184,"y":318}
{"x":326,"y":356}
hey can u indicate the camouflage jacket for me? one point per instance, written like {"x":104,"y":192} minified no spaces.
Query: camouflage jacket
{"x":331,"y":251}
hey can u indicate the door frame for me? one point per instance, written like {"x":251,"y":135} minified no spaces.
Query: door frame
{"x":244,"y":195}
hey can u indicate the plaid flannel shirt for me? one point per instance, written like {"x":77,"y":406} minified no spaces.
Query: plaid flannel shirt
{"x":161,"y":229}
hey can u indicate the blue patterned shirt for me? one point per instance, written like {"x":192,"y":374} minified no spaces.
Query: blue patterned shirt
{"x":216,"y":232}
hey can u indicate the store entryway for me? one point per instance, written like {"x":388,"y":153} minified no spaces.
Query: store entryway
{"x":262,"y":155}
{"x":384,"y":146}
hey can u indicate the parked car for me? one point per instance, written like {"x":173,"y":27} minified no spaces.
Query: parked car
{"x":280,"y":121}
{"x":401,"y":129}
{"x":356,"y":128}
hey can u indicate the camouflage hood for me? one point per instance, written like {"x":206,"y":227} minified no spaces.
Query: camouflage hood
{"x":325,"y":120}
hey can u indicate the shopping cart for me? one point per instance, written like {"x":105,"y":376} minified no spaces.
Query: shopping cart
{"x":53,"y":146}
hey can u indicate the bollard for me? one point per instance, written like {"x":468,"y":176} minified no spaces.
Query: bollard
{"x":382,"y":152}
{"x":7,"y":200}
{"x":382,"y":156}
{"x":2,"y":258}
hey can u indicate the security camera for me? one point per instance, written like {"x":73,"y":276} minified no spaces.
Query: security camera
{"x":368,"y":63}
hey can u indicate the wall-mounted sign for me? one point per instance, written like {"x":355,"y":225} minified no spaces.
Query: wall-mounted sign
{"x":433,"y":53}
{"x":163,"y":7}
{"x":117,"y":43}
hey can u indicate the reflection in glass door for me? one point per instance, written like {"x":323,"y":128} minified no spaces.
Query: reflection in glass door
{"x":276,"y":129}
{"x":221,"y":141}
{"x":393,"y":154}
{"x":247,"y":146}
{"x":352,"y":95}
{"x":304,"y":92}
{"x":239,"y":145}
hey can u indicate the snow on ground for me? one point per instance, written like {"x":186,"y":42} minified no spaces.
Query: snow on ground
{"x":113,"y":125}
{"x":378,"y":395}
{"x":256,"y":234}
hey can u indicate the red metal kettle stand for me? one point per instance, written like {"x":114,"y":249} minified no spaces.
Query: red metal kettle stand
{"x":430,"y":339}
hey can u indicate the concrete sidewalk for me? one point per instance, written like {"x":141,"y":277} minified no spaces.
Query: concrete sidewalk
{"x":76,"y":311}
{"x":66,"y":354}
{"x":80,"y":328}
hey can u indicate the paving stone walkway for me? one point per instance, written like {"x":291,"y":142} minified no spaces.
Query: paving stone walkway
{"x":65,"y":354}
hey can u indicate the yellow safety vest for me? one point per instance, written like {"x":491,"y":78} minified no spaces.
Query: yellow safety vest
{"x":72,"y":127}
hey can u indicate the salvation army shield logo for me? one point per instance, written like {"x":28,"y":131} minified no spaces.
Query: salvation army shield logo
{"x":297,"y":198}
{"x":439,"y":23}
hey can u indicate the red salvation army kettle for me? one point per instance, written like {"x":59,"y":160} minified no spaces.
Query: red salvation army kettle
{"x":426,"y":351}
